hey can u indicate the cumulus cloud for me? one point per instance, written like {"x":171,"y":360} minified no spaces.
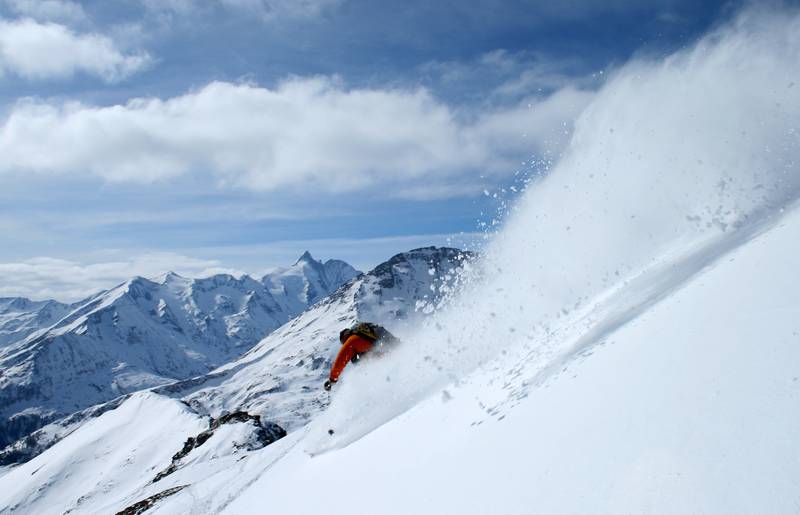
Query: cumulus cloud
{"x":307,"y":132}
{"x":68,"y":281}
{"x":45,"y":50}
{"x":48,"y":10}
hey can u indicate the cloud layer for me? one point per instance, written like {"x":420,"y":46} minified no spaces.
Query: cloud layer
{"x":50,"y":278}
{"x":36,"y":50}
{"x":310,"y":133}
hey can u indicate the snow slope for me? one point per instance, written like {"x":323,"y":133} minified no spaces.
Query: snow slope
{"x":141,"y":432}
{"x":144,"y":333}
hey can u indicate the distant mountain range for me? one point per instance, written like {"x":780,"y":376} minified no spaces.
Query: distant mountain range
{"x":56,"y":359}
{"x":220,"y":344}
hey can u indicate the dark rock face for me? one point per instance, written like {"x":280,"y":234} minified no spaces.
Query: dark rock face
{"x":24,"y":450}
{"x":20,"y":425}
{"x":264,"y":434}
{"x":142,"y":506}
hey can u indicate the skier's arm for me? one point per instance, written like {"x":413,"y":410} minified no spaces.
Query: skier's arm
{"x":354,"y":345}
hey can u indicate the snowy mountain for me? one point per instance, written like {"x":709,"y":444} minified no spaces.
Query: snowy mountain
{"x":20,"y":317}
{"x":306,"y":282}
{"x":61,"y":359}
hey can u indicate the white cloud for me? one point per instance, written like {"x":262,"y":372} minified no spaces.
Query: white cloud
{"x":48,"y":10}
{"x":35,"y":50}
{"x":307,"y":132}
{"x":69,"y":281}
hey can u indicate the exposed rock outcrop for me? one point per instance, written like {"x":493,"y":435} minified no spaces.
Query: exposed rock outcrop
{"x":146,"y":504}
{"x":262,"y":435}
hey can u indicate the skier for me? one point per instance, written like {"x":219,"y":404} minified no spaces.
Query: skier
{"x":357,"y":340}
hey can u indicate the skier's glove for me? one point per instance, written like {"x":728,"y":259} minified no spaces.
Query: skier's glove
{"x":328,"y":385}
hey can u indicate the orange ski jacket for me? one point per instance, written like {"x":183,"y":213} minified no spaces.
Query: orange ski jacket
{"x":353,"y":345}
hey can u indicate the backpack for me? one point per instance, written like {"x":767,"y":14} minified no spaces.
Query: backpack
{"x":377,"y":334}
{"x":380,"y":337}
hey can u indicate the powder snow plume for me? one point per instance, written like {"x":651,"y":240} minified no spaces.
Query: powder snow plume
{"x":675,"y":161}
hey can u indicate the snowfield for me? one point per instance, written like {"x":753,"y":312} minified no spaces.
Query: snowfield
{"x":629,"y":342}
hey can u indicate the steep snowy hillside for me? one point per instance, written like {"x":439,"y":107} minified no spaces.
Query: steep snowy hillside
{"x":144,"y":333}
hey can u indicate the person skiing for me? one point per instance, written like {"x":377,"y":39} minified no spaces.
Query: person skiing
{"x":357,"y":340}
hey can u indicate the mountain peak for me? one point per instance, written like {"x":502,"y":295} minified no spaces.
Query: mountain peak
{"x":168,"y":277}
{"x":305,"y":258}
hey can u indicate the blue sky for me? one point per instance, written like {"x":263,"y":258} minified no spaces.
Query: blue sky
{"x":138,"y":136}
